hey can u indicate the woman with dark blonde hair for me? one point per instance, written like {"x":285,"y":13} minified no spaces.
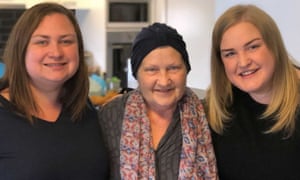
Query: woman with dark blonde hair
{"x":48,"y":128}
{"x":253,"y":99}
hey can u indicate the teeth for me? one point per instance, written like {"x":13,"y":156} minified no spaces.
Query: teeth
{"x":247,"y":73}
{"x":54,"y":64}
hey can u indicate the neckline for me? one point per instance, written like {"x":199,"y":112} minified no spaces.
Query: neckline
{"x":5,"y":103}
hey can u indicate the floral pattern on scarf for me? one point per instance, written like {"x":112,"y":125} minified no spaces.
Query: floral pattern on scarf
{"x":137,"y":161}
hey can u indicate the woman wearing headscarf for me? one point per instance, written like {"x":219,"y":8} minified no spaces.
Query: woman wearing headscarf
{"x":159,"y":130}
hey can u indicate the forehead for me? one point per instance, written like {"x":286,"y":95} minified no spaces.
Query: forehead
{"x":54,"y":23}
{"x":239,"y":33}
{"x":162,"y":55}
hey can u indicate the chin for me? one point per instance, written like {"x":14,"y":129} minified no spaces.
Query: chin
{"x":249,"y":89}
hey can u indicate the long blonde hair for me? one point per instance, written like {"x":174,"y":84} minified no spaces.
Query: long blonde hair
{"x":285,"y":83}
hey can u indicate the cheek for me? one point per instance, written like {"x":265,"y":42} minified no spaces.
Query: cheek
{"x":30,"y":61}
{"x":271,"y":62}
{"x":229,"y":67}
{"x":76,"y":62}
{"x":181,"y":85}
{"x":34,"y":56}
{"x":181,"y":80}
{"x":31,"y":68}
{"x":72,"y":54}
{"x":29,"y":55}
{"x":270,"y":69}
{"x":145,"y":81}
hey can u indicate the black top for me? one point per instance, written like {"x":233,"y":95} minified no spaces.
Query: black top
{"x":61,"y":150}
{"x":245,"y":152}
{"x":167,"y":155}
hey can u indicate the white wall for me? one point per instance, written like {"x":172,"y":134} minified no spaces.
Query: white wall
{"x":194,"y":20}
{"x":93,"y":27}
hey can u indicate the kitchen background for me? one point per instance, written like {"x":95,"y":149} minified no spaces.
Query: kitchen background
{"x":108,"y":45}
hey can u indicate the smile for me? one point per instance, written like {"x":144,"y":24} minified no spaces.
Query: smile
{"x":164,"y":90}
{"x":247,"y":73}
{"x":55,"y":64}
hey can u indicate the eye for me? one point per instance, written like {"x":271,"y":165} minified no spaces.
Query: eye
{"x":151,"y":69}
{"x":228,"y":54}
{"x":254,"y":46}
{"x":67,"y":41}
{"x":41,"y":42}
{"x":174,"y":68}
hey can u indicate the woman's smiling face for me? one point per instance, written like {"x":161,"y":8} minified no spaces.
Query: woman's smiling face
{"x":162,"y":78}
{"x":52,"y":53}
{"x":248,"y":62}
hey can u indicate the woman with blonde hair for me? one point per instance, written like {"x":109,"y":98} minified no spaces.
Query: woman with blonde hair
{"x":253,"y":100}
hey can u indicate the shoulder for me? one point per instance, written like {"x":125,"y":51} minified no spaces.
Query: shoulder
{"x":113,"y":111}
{"x":115,"y":104}
{"x":195,"y":98}
{"x":5,"y":93}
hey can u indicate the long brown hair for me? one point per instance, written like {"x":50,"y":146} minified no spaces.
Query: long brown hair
{"x":74,"y":93}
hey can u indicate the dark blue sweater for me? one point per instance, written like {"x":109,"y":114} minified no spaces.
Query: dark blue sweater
{"x":62,"y":150}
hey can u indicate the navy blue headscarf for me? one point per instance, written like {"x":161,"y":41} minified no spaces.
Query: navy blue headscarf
{"x":152,"y":37}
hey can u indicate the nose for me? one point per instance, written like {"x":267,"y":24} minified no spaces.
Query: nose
{"x":164,"y":78}
{"x":244,"y":60}
{"x":55,"y":50}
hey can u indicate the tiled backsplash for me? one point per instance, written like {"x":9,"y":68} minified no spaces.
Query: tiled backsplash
{"x":8,"y":18}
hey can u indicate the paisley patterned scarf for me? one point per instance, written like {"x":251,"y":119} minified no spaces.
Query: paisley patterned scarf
{"x":197,"y":160}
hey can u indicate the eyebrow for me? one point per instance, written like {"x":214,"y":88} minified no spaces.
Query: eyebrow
{"x":46,"y":36}
{"x":253,"y":40}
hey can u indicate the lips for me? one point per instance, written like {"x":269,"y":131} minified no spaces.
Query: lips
{"x":247,"y":73}
{"x":55,"y":64}
{"x":165,"y":90}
